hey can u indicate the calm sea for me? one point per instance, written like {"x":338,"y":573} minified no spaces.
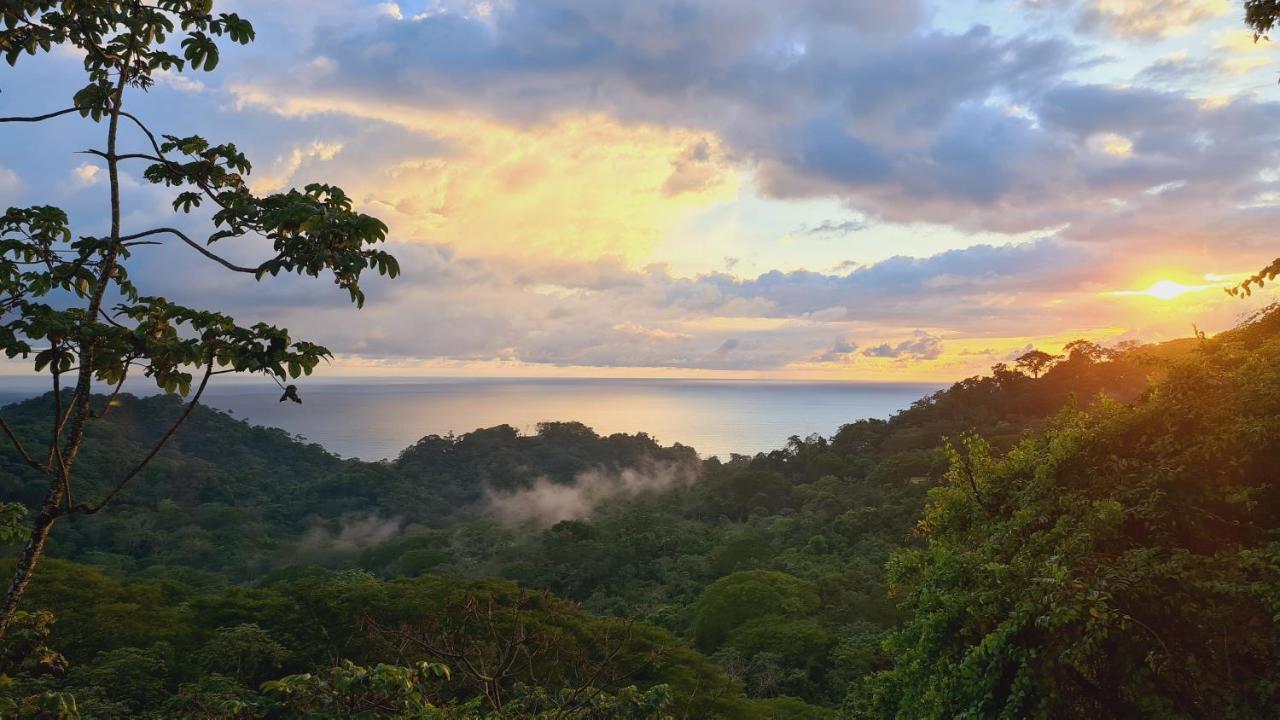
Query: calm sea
{"x":375,"y":419}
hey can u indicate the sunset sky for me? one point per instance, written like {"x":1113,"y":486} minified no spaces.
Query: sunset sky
{"x":809,"y":189}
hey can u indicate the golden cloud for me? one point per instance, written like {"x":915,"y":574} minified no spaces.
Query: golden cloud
{"x":1161,"y":18}
{"x":577,"y":186}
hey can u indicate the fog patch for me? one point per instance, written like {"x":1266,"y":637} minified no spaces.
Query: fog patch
{"x":352,"y":533}
{"x":548,"y":502}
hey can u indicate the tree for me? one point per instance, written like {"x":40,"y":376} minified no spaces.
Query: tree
{"x":1261,"y":17}
{"x":1085,"y":351}
{"x":1113,"y":565}
{"x":1035,"y":362}
{"x":735,"y":600}
{"x":56,"y":291}
{"x":245,"y":652}
{"x":352,"y":691}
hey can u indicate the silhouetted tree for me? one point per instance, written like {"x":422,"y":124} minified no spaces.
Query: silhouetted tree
{"x":1035,"y":362}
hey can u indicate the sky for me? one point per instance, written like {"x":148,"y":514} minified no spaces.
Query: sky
{"x":799,"y":189}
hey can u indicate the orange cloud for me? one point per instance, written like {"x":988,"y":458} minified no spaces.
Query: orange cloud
{"x":578,"y":186}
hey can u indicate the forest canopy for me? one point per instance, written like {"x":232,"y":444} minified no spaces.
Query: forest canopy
{"x":1088,"y":511}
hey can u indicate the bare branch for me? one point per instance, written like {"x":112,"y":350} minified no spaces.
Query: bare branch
{"x":198,"y":247}
{"x":26,"y":457}
{"x":164,"y":440}
{"x":55,"y":453}
{"x":125,"y":156}
{"x":156,"y":146}
{"x":111,"y":399}
{"x":38,"y":118}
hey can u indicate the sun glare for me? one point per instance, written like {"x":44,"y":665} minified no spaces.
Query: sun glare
{"x":1170,"y":290}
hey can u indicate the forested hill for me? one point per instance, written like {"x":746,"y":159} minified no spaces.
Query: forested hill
{"x":760,"y":581}
{"x":230,"y":497}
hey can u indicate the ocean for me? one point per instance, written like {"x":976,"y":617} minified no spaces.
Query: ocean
{"x":377,"y":418}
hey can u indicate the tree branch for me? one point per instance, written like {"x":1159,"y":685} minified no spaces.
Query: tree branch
{"x":156,"y":146}
{"x":125,"y":156}
{"x":111,"y":399}
{"x":164,"y":440}
{"x":59,"y":419}
{"x":198,"y":247}
{"x":26,"y":457}
{"x":38,"y":118}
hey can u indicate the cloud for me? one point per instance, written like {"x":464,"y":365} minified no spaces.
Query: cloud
{"x":909,"y":124}
{"x":86,"y":175}
{"x":695,"y":170}
{"x":871,"y":119}
{"x":572,"y":187}
{"x":1179,"y":69}
{"x":538,"y":162}
{"x":390,"y":10}
{"x":1137,"y":19}
{"x":177,"y":81}
{"x":840,"y":351}
{"x":921,"y":346}
{"x":285,"y":167}
{"x":833,"y":227}
{"x":1146,"y":19}
{"x":10,"y":184}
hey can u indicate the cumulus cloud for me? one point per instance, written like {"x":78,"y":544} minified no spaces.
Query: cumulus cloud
{"x":533,"y":160}
{"x":547,"y":503}
{"x":840,"y":351}
{"x":695,"y":169}
{"x":909,"y":126}
{"x":86,"y":175}
{"x":921,"y":346}
{"x":285,"y":167}
{"x":10,"y":184}
{"x":177,"y":81}
{"x":390,"y":9}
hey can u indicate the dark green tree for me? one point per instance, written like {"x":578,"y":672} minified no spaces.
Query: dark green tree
{"x":67,"y":302}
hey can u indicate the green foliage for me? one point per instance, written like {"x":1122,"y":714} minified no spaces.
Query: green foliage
{"x":1122,"y":563}
{"x":122,"y":683}
{"x":12,"y":517}
{"x":244,"y":652}
{"x":351,"y":691}
{"x":1261,"y":16}
{"x":786,"y":708}
{"x":55,"y":286}
{"x":41,"y":706}
{"x":736,"y":599}
{"x":27,"y":647}
{"x":204,"y":565}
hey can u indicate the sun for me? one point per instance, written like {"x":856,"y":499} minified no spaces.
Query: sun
{"x":1167,"y":290}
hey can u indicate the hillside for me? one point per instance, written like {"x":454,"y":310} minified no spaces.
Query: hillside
{"x":765,"y":574}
